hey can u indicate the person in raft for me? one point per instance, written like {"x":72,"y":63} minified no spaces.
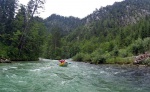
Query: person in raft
{"x":62,"y":61}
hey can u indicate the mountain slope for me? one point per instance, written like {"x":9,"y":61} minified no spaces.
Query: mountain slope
{"x":124,"y":13}
{"x":65,"y":23}
{"x":107,"y":22}
{"x":119,"y":14}
{"x":108,"y":34}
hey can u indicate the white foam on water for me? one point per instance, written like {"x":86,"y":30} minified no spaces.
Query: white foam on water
{"x":5,"y":69}
{"x":102,"y":72}
{"x":46,"y":68}
{"x":35,"y":70}
{"x":41,"y":69}
{"x":7,"y":76}
{"x":116,"y":72}
{"x":13,"y":67}
{"x":14,"y":75}
{"x":63,"y":82}
{"x":105,"y":72}
{"x":20,"y":81}
{"x":42,"y":59}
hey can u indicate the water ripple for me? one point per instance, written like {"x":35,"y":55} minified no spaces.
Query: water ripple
{"x":47,"y":76}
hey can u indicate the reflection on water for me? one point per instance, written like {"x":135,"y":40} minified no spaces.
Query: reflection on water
{"x":47,"y":76}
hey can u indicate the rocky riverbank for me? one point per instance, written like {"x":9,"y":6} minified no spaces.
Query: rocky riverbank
{"x":4,"y":60}
{"x":142,"y":58}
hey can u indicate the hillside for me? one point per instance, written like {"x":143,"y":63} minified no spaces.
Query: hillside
{"x":65,"y":23}
{"x":111,"y":19}
{"x":109,"y":35}
{"x":124,"y":13}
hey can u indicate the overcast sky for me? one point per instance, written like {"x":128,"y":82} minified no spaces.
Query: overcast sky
{"x":76,"y":8}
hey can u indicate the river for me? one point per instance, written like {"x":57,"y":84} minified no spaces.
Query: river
{"x":47,"y":76}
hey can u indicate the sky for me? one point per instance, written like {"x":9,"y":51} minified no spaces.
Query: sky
{"x":76,"y":8}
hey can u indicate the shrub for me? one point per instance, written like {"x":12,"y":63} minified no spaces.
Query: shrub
{"x":3,"y":50}
{"x":110,"y":61}
{"x":146,"y":61}
{"x":123,"y":53}
{"x":115,"y":51}
{"x":119,"y":60}
{"x":98,"y":59}
{"x":79,"y":57}
{"x":101,"y":60}
{"x":87,"y":58}
{"x":140,"y":46}
{"x":146,"y":44}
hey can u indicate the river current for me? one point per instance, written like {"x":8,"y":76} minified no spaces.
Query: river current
{"x":48,"y":76}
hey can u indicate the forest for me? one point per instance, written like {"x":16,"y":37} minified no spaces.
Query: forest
{"x":111,"y":34}
{"x":21,"y":33}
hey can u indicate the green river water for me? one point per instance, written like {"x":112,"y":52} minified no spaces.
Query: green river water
{"x":47,"y":76}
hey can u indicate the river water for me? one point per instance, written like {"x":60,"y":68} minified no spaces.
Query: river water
{"x":47,"y":76}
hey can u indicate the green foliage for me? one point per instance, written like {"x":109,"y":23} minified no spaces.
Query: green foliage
{"x":112,"y":38}
{"x":146,"y":44}
{"x":88,"y":47}
{"x":109,"y":35}
{"x":123,"y":53}
{"x":7,"y":13}
{"x":74,"y":50}
{"x":97,"y":57}
{"x":67,"y":24}
{"x":79,"y":57}
{"x":53,"y":45}
{"x":3,"y":50}
{"x":146,"y":61}
{"x":87,"y":58}
{"x":140,"y":46}
{"x":119,"y":60}
{"x":115,"y":51}
{"x":65,"y":52}
{"x":107,"y":46}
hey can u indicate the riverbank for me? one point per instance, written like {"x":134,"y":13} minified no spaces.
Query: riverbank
{"x":4,"y":60}
{"x":141,"y":59}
